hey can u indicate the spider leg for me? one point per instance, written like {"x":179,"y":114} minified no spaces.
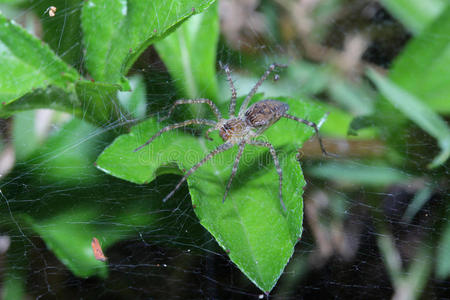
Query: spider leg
{"x":277,"y":166}
{"x":314,"y":126}
{"x":232,"y":108}
{"x":195,"y":101}
{"x":234,"y":170}
{"x":174,"y":126}
{"x":208,"y":132}
{"x":257,"y":85}
{"x":219,"y":149}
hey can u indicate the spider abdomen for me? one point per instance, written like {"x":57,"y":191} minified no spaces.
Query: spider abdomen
{"x":264,"y":113}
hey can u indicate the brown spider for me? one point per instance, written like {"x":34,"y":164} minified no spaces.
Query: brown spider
{"x":238,"y":130}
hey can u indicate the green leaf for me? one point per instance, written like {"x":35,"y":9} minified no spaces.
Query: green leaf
{"x":361,"y":122}
{"x":13,"y":286}
{"x":25,"y":137}
{"x":338,"y":123}
{"x":419,"y":200}
{"x":415,"y":14}
{"x":251,"y":224}
{"x":190,"y":55}
{"x":409,"y":283}
{"x":11,"y":1}
{"x":357,"y":174}
{"x":15,"y":275}
{"x":116,"y":32}
{"x":67,"y":155}
{"x":69,"y":237}
{"x":134,"y":101}
{"x":313,"y":78}
{"x":443,"y":259}
{"x":94,"y":102}
{"x":28,"y":63}
{"x":422,"y":68}
{"x":418,"y":112}
{"x":356,"y":99}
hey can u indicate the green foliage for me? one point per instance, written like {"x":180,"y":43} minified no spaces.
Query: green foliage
{"x":418,"y":112}
{"x":421,"y":69}
{"x":76,"y":252}
{"x":13,"y":285}
{"x":71,"y":149}
{"x":39,"y":74}
{"x":26,"y":139}
{"x":134,"y":102}
{"x":190,"y":55}
{"x":415,"y":14}
{"x":410,"y":282}
{"x":417,"y":86}
{"x":419,"y":200}
{"x":85,"y":100}
{"x":77,"y":216}
{"x":28,"y":64}
{"x":110,"y":49}
{"x":69,"y":233}
{"x":359,"y":174}
{"x":82,"y":69}
{"x":443,"y":260}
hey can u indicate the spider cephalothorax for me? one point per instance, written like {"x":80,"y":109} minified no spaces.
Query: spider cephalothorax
{"x":233,"y":130}
{"x":239,"y":130}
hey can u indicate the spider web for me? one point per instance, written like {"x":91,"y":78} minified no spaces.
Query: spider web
{"x":356,"y":227}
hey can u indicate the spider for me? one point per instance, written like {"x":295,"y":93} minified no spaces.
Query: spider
{"x":240,"y":130}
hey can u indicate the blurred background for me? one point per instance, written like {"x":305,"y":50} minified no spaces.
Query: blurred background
{"x":376,"y":218}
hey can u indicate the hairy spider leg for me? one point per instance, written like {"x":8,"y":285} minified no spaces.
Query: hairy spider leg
{"x":310,"y":124}
{"x":211,"y":104}
{"x":232,"y":109}
{"x":277,"y":166}
{"x":234,"y":170}
{"x":257,"y":85}
{"x":218,"y":150}
{"x":174,"y":126}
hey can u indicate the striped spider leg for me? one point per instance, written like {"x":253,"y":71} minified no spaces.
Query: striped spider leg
{"x":241,"y":129}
